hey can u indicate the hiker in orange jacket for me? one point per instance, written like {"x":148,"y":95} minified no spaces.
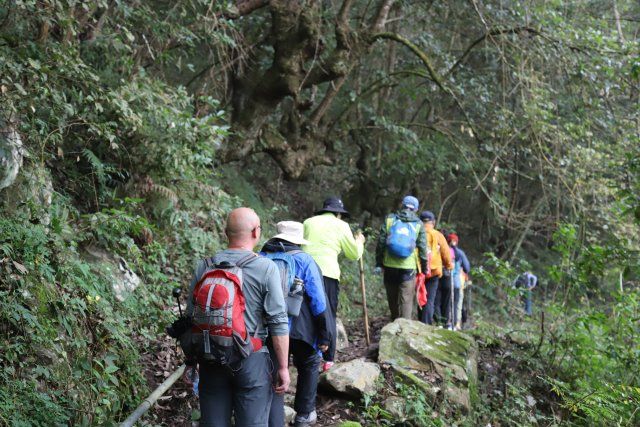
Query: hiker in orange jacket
{"x":440,"y":259}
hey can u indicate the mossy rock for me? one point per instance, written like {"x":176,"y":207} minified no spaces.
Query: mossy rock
{"x":11,"y":153}
{"x":418,"y":352}
{"x":30,"y":194}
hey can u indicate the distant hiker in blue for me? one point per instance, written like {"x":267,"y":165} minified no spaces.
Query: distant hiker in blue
{"x":460,"y":274}
{"x":309,"y":333}
{"x":402,"y":246}
{"x":526,"y":282}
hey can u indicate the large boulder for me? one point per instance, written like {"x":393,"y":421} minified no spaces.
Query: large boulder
{"x":353,"y":379}
{"x":439,"y":361}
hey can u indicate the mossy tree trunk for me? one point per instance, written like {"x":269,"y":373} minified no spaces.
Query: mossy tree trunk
{"x":275,"y":109}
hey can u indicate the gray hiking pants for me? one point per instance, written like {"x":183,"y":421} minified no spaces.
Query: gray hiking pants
{"x":245,"y":392}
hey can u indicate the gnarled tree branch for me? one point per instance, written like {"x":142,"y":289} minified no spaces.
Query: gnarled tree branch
{"x":494,"y":32}
{"x":381,"y":16}
{"x":419,"y":53}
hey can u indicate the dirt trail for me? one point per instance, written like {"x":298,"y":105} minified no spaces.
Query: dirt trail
{"x":176,"y":407}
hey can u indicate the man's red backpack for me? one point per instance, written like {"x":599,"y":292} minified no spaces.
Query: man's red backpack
{"x":218,"y":333}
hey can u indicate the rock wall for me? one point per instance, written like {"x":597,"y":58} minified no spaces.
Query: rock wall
{"x":11,"y":154}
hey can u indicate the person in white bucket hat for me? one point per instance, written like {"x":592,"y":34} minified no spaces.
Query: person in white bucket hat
{"x":309,"y":334}
{"x":291,"y":231}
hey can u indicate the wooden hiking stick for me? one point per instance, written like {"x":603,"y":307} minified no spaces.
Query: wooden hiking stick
{"x":364,"y":302}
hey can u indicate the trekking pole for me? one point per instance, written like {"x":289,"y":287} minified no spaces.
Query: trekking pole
{"x":453,"y":301}
{"x":468,"y":299}
{"x":176,"y":294}
{"x":364,"y":302}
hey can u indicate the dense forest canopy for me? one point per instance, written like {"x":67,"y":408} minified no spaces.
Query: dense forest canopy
{"x":134,"y":126}
{"x":502,"y":107}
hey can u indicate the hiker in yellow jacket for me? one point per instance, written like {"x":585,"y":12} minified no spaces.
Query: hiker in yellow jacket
{"x":440,"y":260}
{"x":328,"y":236}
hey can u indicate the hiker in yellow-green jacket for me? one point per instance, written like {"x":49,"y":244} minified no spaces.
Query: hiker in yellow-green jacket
{"x":329,"y":236}
{"x":400,"y":235}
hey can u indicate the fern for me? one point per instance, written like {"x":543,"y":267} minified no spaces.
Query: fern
{"x":147,"y":186}
{"x":99,"y":168}
{"x":165,"y":192}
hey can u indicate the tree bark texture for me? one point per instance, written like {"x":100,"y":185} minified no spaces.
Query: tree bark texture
{"x":271,"y":111}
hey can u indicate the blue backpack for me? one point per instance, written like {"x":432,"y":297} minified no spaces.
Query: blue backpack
{"x":287,"y":269}
{"x":401,"y":237}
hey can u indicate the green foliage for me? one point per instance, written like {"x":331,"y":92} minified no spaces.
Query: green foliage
{"x":595,"y":359}
{"x":120,"y":144}
{"x":115,"y":228}
{"x":67,"y":341}
{"x":583,"y":355}
{"x":533,"y":152}
{"x":48,"y":296}
{"x":609,"y":404}
{"x":350,"y":298}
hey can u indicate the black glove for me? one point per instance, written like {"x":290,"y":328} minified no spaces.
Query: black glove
{"x":179,"y":327}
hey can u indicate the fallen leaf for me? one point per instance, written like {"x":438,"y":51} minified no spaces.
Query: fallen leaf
{"x":530,"y":400}
{"x":21,"y":268}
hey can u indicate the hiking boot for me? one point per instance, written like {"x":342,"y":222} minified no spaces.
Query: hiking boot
{"x":326,"y":366}
{"x":309,"y":419}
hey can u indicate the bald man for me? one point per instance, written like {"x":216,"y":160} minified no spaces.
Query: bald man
{"x":245,"y":391}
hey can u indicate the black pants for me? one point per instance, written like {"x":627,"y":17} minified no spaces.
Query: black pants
{"x":426,"y":315}
{"x":444,"y":314}
{"x":437,"y":303}
{"x":332,"y":290}
{"x":307,"y":362}
{"x":246,"y":392}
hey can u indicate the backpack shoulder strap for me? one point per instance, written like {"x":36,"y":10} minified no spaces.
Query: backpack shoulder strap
{"x":390,"y":220}
{"x":246,"y":260}
{"x":286,"y":266}
{"x":212,"y":262}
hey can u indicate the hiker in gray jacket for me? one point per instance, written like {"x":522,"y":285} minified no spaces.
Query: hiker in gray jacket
{"x":245,"y":389}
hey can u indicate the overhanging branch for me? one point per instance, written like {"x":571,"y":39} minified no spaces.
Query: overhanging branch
{"x":418,"y":52}
{"x":439,"y":81}
{"x":494,"y":32}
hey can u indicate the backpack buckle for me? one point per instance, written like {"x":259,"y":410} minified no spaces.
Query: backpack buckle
{"x":207,"y":344}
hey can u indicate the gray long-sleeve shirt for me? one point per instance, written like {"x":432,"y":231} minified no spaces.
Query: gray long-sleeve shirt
{"x":262,"y":291}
